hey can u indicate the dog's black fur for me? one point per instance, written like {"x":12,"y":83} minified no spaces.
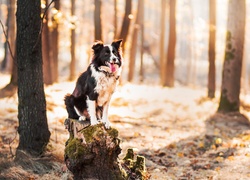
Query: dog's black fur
{"x":96,"y":84}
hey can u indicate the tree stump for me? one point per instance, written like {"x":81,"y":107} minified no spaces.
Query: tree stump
{"x":91,"y":152}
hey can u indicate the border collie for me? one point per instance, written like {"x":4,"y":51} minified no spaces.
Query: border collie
{"x":94,"y":87}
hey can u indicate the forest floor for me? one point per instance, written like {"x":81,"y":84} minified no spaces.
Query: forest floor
{"x":176,"y":129}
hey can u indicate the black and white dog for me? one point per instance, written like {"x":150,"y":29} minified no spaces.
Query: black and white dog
{"x":94,"y":87}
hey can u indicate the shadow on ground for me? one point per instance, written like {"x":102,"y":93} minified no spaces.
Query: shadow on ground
{"x":221,"y":152}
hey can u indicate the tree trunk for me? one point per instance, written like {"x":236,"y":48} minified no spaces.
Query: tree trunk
{"x":54,"y":42}
{"x":162,"y":42}
{"x":142,"y":41}
{"x":126,"y":23}
{"x":115,"y":19}
{"x":133,"y":48}
{"x":170,"y":66}
{"x":33,"y":128}
{"x":230,"y":88}
{"x":97,"y":20}
{"x":46,"y":49}
{"x":10,"y":89}
{"x":72,"y":47}
{"x":91,"y":152}
{"x":211,"y":49}
{"x":7,"y":62}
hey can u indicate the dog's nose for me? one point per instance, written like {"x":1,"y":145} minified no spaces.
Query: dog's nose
{"x":114,"y":60}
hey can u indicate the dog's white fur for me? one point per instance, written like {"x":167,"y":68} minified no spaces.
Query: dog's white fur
{"x":105,"y":87}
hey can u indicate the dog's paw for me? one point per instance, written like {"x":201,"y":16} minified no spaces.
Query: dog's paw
{"x":82,"y":118}
{"x":107,"y":124}
{"x":93,"y":122}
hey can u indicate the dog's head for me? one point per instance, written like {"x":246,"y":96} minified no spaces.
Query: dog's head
{"x":108,"y":55}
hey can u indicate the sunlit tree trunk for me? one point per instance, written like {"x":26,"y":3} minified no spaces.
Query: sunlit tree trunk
{"x":133,"y":48}
{"x":33,"y":128}
{"x":230,"y":88}
{"x":162,"y":41}
{"x":8,"y":59}
{"x":115,"y":19}
{"x":142,"y":41}
{"x":211,"y":49}
{"x":72,"y":47}
{"x":10,"y":89}
{"x":170,"y":66}
{"x":54,"y":41}
{"x":126,"y":23}
{"x":97,"y":20}
{"x":48,"y":67}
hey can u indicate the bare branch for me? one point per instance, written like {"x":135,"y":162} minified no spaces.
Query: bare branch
{"x":41,"y":29}
{"x":8,"y":43}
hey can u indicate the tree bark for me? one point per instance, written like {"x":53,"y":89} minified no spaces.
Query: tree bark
{"x":142,"y":41}
{"x":97,"y":20}
{"x":54,"y":41}
{"x":133,"y":48}
{"x":91,"y":152}
{"x":162,"y":42}
{"x":7,"y":62}
{"x":10,"y":89}
{"x":170,"y":66}
{"x":230,"y":88}
{"x":115,"y":19}
{"x":33,"y":128}
{"x":72,"y":47}
{"x":48,"y":66}
{"x":126,"y":23}
{"x":211,"y":49}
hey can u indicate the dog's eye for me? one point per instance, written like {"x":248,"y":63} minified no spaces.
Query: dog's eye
{"x":106,"y":53}
{"x":114,"y":52}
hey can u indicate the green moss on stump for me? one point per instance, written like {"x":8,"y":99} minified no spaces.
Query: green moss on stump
{"x":75,"y":149}
{"x":95,"y":155}
{"x":135,"y":165}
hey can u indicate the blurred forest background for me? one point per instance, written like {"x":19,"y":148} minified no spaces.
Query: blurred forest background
{"x":71,"y":24}
{"x":176,"y":54}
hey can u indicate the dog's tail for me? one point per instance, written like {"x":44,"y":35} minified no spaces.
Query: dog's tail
{"x":69,"y":102}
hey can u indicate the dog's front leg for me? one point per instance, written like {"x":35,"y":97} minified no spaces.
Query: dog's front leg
{"x":92,"y":111}
{"x":105,"y":119}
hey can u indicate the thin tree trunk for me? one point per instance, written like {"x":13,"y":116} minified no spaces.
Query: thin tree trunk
{"x":230,"y":88}
{"x":72,"y":47}
{"x":48,"y":66}
{"x":33,"y":128}
{"x":97,"y":20}
{"x":54,"y":43}
{"x":133,"y":48}
{"x":115,"y":19}
{"x":142,"y":40}
{"x":162,"y":41}
{"x":170,"y":66}
{"x":10,"y":89}
{"x":211,"y":49}
{"x":7,"y":62}
{"x":126,"y":23}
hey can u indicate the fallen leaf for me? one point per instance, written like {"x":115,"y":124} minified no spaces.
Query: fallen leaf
{"x":180,"y":154}
{"x":217,"y":169}
{"x":231,"y":158}
{"x":247,"y":154}
{"x":136,"y":134}
{"x":172,"y":146}
{"x":201,"y":145}
{"x":219,"y":159}
{"x":218,"y":141}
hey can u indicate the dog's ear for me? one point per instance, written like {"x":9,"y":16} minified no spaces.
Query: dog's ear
{"x":97,"y":47}
{"x":117,"y":44}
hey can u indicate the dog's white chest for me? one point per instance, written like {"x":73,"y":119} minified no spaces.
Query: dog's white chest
{"x":105,"y":87}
